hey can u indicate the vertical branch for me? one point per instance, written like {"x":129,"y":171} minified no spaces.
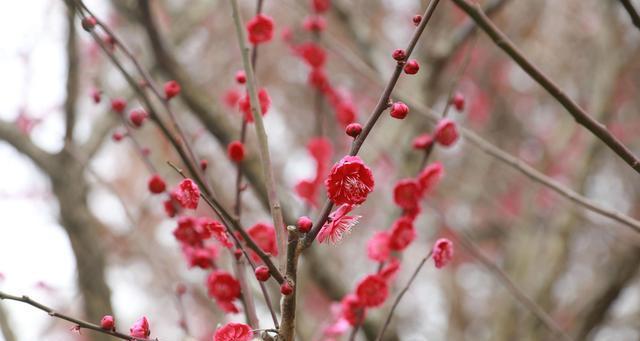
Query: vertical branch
{"x":72,"y":76}
{"x":287,"y":328}
{"x":256,"y":110}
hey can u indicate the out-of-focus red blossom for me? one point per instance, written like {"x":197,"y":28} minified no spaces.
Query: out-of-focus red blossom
{"x":191,"y":231}
{"x":442,"y":252}
{"x":200,"y":256}
{"x":312,"y":54}
{"x":218,"y":231}
{"x":411,"y":213}
{"x":231,"y":97}
{"x":307,"y":190}
{"x":314,"y":23}
{"x":265,"y":236}
{"x":118,"y":105}
{"x":187,"y":194}
{"x":25,"y":123}
{"x":156,"y":184}
{"x":350,"y":181}
{"x":107,"y":323}
{"x":204,"y":164}
{"x":458,"y":101}
{"x":235,"y":151}
{"x":233,"y":332}
{"x":321,"y":6}
{"x":260,"y":29}
{"x":137,"y":117}
{"x":372,"y":291}
{"x":430,"y":176}
{"x":117,"y":136}
{"x":171,"y":89}
{"x":96,"y":95}
{"x":338,"y":224}
{"x":402,"y":234}
{"x":345,"y":112}
{"x":378,"y":247}
{"x":321,"y":150}
{"x":390,"y":270}
{"x":286,"y":34}
{"x":446,"y":132}
{"x":140,"y":329}
{"x":223,"y":287}
{"x":423,"y":141}
{"x":170,"y":208}
{"x":411,"y":67}
{"x":338,"y":328}
{"x":245,"y":104}
{"x":318,"y":79}
{"x":353,"y":310}
{"x":406,"y":193}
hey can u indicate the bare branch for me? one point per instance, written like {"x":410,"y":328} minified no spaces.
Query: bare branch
{"x":73,"y":79}
{"x":23,"y":144}
{"x":633,"y":13}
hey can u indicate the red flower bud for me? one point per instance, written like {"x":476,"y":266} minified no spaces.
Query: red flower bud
{"x":107,"y":323}
{"x":412,"y":67}
{"x":157,"y":184}
{"x":171,"y":89}
{"x":286,"y":289}
{"x":399,"y":54}
{"x":235,"y":150}
{"x":118,"y":105}
{"x":137,"y":117}
{"x":458,"y":101}
{"x":446,"y":132}
{"x":304,"y":224}
{"x":241,"y":77}
{"x":117,"y":136}
{"x":417,"y":19}
{"x":353,"y":129}
{"x":204,"y":164}
{"x":262,"y":273}
{"x":399,"y":110}
{"x":89,"y":23}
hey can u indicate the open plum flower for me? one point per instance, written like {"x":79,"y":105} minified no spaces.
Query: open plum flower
{"x":338,"y":224}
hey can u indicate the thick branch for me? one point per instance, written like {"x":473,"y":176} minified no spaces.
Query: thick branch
{"x":73,"y":79}
{"x":22,"y":143}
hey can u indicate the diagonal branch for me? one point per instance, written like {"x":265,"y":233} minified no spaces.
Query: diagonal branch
{"x":579,"y":114}
{"x":23,"y":144}
{"x":633,"y":13}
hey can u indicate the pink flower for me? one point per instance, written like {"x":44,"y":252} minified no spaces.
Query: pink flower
{"x":223,"y":286}
{"x":245,"y":104}
{"x":338,"y":224}
{"x":231,"y":98}
{"x":349,"y":182}
{"x":233,"y":332}
{"x":372,"y":291}
{"x":140,"y":329}
{"x":307,"y":190}
{"x":378,"y":247}
{"x":345,"y":112}
{"x":402,"y":234}
{"x":390,"y":270}
{"x":314,"y":23}
{"x":321,"y":5}
{"x":265,"y":236}
{"x":187,"y":194}
{"x":260,"y":29}
{"x":190,"y":231}
{"x":430,"y":176}
{"x":446,"y":132}
{"x":423,"y":141}
{"x":200,"y":256}
{"x":353,"y":310}
{"x":218,"y":231}
{"x":442,"y":252}
{"x":407,"y":193}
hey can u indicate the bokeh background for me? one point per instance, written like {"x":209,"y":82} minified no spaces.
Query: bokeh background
{"x":81,"y":232}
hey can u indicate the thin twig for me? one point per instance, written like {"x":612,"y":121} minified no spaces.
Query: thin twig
{"x":633,"y":13}
{"x":77,"y":322}
{"x":402,"y":292}
{"x":381,"y":106}
{"x":579,"y":114}
{"x":263,"y":141}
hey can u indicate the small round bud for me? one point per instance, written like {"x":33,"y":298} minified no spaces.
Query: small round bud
{"x":417,"y":19}
{"x":286,"y":289}
{"x":117,"y":136}
{"x":96,"y":95}
{"x":304,"y":224}
{"x":399,"y":110}
{"x":137,"y":117}
{"x":171,"y":89}
{"x":458,"y":101}
{"x":204,"y":164}
{"x":156,"y":184}
{"x":241,"y":77}
{"x":181,"y":289}
{"x":262,"y":273}
{"x":237,"y":253}
{"x":446,"y":132}
{"x":235,"y":150}
{"x":118,"y":105}
{"x":107,"y":323}
{"x":89,"y":23}
{"x":353,"y":129}
{"x":423,"y":141}
{"x":412,"y":67}
{"x":399,"y":54}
